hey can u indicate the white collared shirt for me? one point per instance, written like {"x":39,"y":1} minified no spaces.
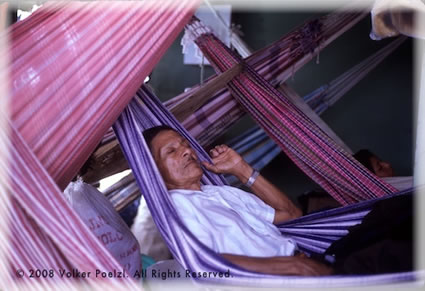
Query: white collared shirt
{"x":229,"y":220}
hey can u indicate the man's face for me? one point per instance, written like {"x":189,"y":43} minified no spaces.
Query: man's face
{"x":380,"y":168}
{"x":176,"y":160}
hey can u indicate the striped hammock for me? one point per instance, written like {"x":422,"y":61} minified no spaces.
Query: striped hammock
{"x":303,"y":141}
{"x":313,"y":233}
{"x":40,"y":230}
{"x":76,"y":65}
{"x":73,"y":68}
{"x":327,"y":95}
{"x":258,"y":150}
{"x":276,"y":63}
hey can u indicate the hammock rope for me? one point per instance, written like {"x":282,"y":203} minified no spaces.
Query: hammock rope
{"x":327,"y":95}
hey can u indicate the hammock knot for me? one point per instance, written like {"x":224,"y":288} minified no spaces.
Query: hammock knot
{"x":195,"y":28}
{"x":307,"y":39}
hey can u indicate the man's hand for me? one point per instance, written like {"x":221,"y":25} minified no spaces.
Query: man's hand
{"x":292,"y":265}
{"x":227,"y":161}
{"x":309,"y":267}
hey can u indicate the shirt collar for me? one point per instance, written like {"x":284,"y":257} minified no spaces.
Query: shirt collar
{"x":187,"y":191}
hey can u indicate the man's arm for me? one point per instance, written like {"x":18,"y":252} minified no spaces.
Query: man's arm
{"x":227,"y":161}
{"x":299,"y":265}
{"x":266,"y":191}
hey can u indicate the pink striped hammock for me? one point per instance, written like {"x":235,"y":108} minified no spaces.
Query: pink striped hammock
{"x":304,"y":142}
{"x":73,"y":68}
{"x":102,"y":51}
{"x":276,"y":63}
{"x":262,"y":150}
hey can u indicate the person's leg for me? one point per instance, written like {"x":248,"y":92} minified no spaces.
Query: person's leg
{"x":386,"y":256}
{"x":382,"y":243}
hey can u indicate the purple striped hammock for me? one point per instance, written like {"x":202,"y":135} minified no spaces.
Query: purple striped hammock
{"x":313,"y":233}
{"x":41,"y":231}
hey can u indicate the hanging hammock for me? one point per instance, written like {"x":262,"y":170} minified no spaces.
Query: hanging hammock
{"x":73,"y":68}
{"x":255,"y":145}
{"x":305,"y":144}
{"x":41,"y":231}
{"x":276,"y":63}
{"x":146,"y":111}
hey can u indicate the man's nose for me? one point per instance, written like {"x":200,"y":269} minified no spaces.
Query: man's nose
{"x":186,"y":151}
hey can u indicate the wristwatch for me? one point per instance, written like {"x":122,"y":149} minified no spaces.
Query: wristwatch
{"x":253,"y":177}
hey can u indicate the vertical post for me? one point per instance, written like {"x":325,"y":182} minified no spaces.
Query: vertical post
{"x":419,"y":166}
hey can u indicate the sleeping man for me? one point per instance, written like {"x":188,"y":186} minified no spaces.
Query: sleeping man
{"x":237,"y":224}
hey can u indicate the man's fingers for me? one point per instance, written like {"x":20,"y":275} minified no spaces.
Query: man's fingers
{"x":210,"y":167}
{"x":214,"y":152}
{"x":222,"y":148}
{"x":217,"y":150}
{"x":311,"y":267}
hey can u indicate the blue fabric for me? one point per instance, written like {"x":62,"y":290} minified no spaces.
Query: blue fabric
{"x":147,"y":261}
